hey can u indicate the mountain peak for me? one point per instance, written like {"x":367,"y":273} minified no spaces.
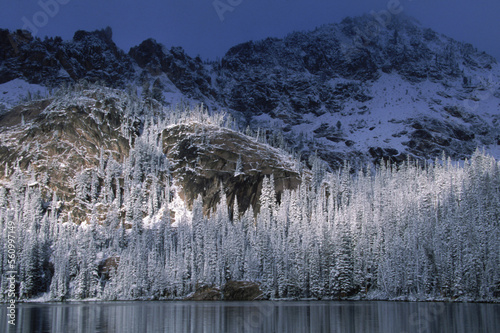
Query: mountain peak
{"x":105,"y":35}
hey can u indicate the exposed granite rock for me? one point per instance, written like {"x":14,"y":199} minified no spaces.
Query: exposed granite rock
{"x":58,"y":139}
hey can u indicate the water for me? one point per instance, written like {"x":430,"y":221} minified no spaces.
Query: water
{"x":207,"y":317}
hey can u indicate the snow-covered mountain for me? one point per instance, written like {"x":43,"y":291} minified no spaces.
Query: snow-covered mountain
{"x":339,"y":90}
{"x":135,"y":191}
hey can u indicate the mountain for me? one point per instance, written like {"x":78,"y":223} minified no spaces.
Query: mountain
{"x":405,"y":91}
{"x":339,"y":92}
{"x":155,"y":175}
{"x":342,"y":90}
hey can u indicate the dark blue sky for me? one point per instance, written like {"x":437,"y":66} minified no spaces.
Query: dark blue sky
{"x":202,"y":29}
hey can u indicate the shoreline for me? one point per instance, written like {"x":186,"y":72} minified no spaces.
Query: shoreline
{"x":289,"y":300}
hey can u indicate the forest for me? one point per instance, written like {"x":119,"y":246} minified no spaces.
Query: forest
{"x":410,"y":231}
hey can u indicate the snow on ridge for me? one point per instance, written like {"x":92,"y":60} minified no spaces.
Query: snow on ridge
{"x":15,"y":91}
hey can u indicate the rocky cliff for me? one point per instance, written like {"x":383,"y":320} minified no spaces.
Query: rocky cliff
{"x":77,"y":144}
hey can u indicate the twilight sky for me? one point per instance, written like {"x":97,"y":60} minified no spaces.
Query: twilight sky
{"x":210,"y":27}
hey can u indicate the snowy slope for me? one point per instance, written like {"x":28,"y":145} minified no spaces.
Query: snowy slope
{"x":18,"y":90}
{"x":406,"y":91}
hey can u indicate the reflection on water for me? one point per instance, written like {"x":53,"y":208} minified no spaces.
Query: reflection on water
{"x":266,"y":316}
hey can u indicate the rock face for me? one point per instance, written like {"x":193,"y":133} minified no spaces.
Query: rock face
{"x":80,"y":142}
{"x":231,"y":291}
{"x":430,"y":137}
{"x":92,"y":56}
{"x":205,"y":293}
{"x":54,"y":140}
{"x":51,"y":135}
{"x":187,"y":74}
{"x":241,"y":291}
{"x":206,"y":157}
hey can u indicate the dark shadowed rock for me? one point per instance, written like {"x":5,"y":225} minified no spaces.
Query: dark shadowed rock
{"x":205,"y":293}
{"x":107,"y":266}
{"x":92,"y":56}
{"x":431,"y":137}
{"x":241,"y":291}
{"x":231,"y":291}
{"x":188,"y":74}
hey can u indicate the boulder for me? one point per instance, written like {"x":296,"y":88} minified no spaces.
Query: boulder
{"x":231,"y":291}
{"x":241,"y":291}
{"x":205,"y":293}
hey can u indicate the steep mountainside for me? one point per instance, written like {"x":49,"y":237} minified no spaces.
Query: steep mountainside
{"x":343,"y":90}
{"x":405,"y":90}
{"x":78,"y":143}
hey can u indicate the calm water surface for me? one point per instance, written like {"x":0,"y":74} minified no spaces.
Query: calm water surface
{"x":208,"y":317}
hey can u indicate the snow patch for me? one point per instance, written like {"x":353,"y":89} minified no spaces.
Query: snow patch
{"x":17,"y":90}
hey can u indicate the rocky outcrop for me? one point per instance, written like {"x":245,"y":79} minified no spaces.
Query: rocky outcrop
{"x":205,"y":157}
{"x":91,"y":56}
{"x":231,"y":291}
{"x":95,"y":57}
{"x":23,"y":56}
{"x":241,"y":291}
{"x":430,"y":137}
{"x":54,"y":140}
{"x":187,"y":74}
{"x":205,"y":293}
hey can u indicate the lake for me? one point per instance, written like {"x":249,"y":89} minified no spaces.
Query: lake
{"x":265,"y":316}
